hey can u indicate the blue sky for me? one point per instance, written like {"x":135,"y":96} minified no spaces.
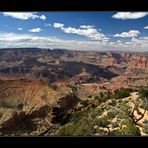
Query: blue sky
{"x":75,"y":30}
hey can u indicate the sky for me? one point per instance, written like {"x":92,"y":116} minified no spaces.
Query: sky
{"x":99,"y":31}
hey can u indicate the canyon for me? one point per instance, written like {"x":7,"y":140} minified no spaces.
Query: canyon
{"x":39,"y":87}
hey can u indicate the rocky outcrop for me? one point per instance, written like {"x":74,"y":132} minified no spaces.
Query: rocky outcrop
{"x":139,"y":61}
{"x":11,"y":119}
{"x":41,"y":107}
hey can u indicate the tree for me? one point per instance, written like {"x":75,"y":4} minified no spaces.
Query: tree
{"x":144,"y":96}
{"x":122,"y":93}
{"x":131,"y":112}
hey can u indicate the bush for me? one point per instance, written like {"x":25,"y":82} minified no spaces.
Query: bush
{"x":90,"y":96}
{"x":111,"y":115}
{"x":103,"y":122}
{"x":85,"y":103}
{"x":145,"y":129}
{"x":67,"y":130}
{"x":98,"y":111}
{"x":113,"y":103}
{"x":129,"y":130}
{"x":75,"y":117}
{"x":115,"y":124}
{"x":143,"y":93}
{"x":73,"y":129}
{"x":93,"y":105}
{"x":104,"y":97}
{"x":145,"y":122}
{"x":101,"y":94}
{"x":122,"y":93}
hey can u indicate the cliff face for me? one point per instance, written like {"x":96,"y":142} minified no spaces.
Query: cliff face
{"x":67,"y":65}
{"x":139,"y":61}
{"x":32,"y":107}
{"x":130,"y":59}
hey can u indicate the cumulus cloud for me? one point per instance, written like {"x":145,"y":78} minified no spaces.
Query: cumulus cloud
{"x":19,"y":29}
{"x":58,"y":25}
{"x":85,"y":30}
{"x":129,"y":34}
{"x":129,"y":15}
{"x":13,"y":40}
{"x":146,"y":27}
{"x":42,"y":17}
{"x":35,"y":30}
{"x":86,"y":26}
{"x":24,"y":15}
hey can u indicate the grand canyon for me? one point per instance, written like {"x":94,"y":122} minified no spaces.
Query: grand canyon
{"x":57,"y":91}
{"x":73,"y":74}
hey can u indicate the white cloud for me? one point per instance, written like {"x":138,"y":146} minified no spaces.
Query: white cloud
{"x":43,"y":17}
{"x":146,"y":27}
{"x":84,"y":30}
{"x":35,"y":30}
{"x":58,"y":25}
{"x":19,"y":29}
{"x":129,"y":34}
{"x":13,"y":40}
{"x":24,"y":15}
{"x":129,"y":15}
{"x":86,"y":26}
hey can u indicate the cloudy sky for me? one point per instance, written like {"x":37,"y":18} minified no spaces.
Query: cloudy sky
{"x":75,"y":30}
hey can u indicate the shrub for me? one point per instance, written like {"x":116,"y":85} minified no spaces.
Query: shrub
{"x":101,"y":94}
{"x":111,"y":115}
{"x":113,"y":103}
{"x":75,"y":117}
{"x":103,"y":122}
{"x":98,"y":111}
{"x":122,"y":93}
{"x":145,"y":129}
{"x":93,"y":105}
{"x":100,"y":100}
{"x":67,"y":130}
{"x":90,"y":96}
{"x":129,"y":130}
{"x":72,"y":129}
{"x":143,"y":93}
{"x":145,"y":122}
{"x":115,"y":124}
{"x":85,"y":102}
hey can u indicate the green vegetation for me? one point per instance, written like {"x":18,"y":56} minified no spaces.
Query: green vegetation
{"x":111,"y":115}
{"x":75,"y":130}
{"x":103,"y":97}
{"x":113,"y":102}
{"x":143,"y":93}
{"x":103,"y":122}
{"x":115,"y":125}
{"x":145,"y":129}
{"x":129,"y":129}
{"x":122,"y":93}
{"x":144,"y":96}
{"x":145,"y":122}
{"x":89,"y":119}
{"x":85,"y":103}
